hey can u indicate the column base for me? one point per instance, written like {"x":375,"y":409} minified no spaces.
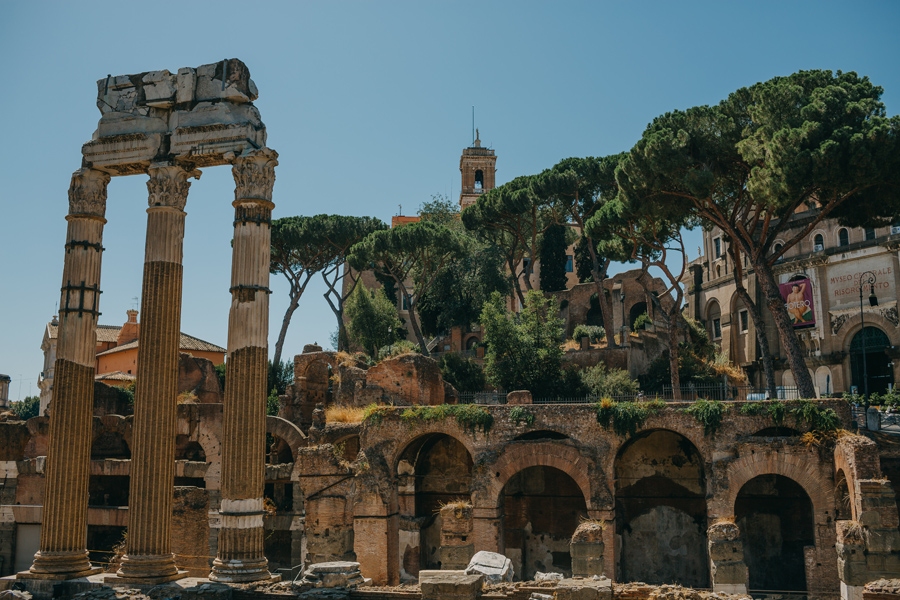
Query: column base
{"x":241,"y":571}
{"x":58,"y":576}
{"x":140,"y":568}
{"x":59,"y":566}
{"x":145,"y":580}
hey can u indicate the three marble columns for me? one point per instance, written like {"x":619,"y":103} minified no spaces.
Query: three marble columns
{"x":148,"y":559}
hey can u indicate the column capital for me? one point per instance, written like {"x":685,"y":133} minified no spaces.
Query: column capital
{"x":168,"y":184}
{"x":87,"y":192}
{"x":254,"y":175}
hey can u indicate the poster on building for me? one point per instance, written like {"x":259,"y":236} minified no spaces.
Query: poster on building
{"x":798,"y":301}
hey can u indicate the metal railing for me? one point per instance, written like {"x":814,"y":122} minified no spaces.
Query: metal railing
{"x":487,"y":398}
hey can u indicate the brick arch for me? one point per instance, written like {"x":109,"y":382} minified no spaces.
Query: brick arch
{"x":290,"y":433}
{"x":690,"y":434}
{"x":798,"y":468}
{"x":437,"y":429}
{"x":556,"y":454}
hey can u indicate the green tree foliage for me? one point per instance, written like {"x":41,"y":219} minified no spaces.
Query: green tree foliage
{"x":761,"y":156}
{"x":512,"y":217}
{"x":297,"y":253}
{"x":575,"y":189}
{"x":27,"y":408}
{"x":583,"y":262}
{"x":373,"y":321}
{"x":463,"y":373}
{"x":608,"y":383}
{"x":694,"y":359}
{"x":463,"y":285}
{"x":220,"y":375}
{"x":280,"y":376}
{"x":552,"y":255}
{"x":523,"y":350}
{"x":340,"y":233}
{"x":417,"y":251}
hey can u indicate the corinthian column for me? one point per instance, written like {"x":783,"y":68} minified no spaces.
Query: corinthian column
{"x":148,"y":558}
{"x":63,"y":548}
{"x":240,"y":552}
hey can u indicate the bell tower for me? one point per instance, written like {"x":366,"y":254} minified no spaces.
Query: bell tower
{"x":478,"y":166}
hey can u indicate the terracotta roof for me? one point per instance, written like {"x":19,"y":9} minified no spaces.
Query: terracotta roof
{"x":115,"y":376}
{"x":105,"y":333}
{"x":188,"y":342}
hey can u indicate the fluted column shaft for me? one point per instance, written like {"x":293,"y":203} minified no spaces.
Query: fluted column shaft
{"x":148,"y":556}
{"x":241,"y":556}
{"x":63,"y":547}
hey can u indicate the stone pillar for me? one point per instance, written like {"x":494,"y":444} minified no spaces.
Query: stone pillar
{"x":586,"y":549}
{"x":148,"y":558}
{"x":457,"y":545}
{"x":63,"y":547}
{"x":241,"y":556}
{"x":728,"y":571}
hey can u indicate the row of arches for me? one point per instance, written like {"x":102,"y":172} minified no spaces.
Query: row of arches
{"x":660,"y":513}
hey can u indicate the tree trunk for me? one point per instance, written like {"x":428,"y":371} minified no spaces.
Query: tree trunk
{"x":414,"y":321}
{"x":673,"y":357}
{"x":763,"y":340}
{"x":789,"y":340}
{"x":295,"y":300}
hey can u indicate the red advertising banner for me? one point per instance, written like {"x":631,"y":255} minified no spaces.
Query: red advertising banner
{"x":798,"y":301}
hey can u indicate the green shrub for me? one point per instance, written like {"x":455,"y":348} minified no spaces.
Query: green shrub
{"x":817,"y":417}
{"x":773,"y":408}
{"x":595,"y":333}
{"x":519,"y":415}
{"x":603,"y":382}
{"x":468,"y":416}
{"x":642,"y":321}
{"x":465,"y":374}
{"x":625,"y":417}
{"x":708,"y":413}
{"x":373,"y":414}
{"x":396,"y":349}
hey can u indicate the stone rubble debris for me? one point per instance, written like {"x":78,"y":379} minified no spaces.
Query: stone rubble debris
{"x":495,"y":567}
{"x":548,"y":576}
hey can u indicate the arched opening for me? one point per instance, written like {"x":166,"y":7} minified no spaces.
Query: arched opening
{"x":479,"y":179}
{"x":843,"y":237}
{"x":637,"y":309}
{"x":775,"y":516}
{"x":824,"y":381}
{"x":843,"y":510}
{"x":542,"y":507}
{"x":661,"y":511}
{"x":110,"y":444}
{"x":595,"y":312}
{"x":870,"y":234}
{"x":471,"y":342}
{"x":278,"y":451}
{"x":714,"y":320}
{"x":541,"y":434}
{"x":776,"y":250}
{"x":433,"y":470}
{"x":818,"y":243}
{"x":871,"y":342}
{"x":187,"y":449}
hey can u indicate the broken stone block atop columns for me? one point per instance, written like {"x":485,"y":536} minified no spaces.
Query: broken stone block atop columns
{"x":495,"y":567}
{"x":519,"y":397}
{"x":452,"y":586}
{"x":596,"y":588}
{"x":728,"y":570}
{"x":338,"y":574}
{"x":586,"y":549}
{"x":457,"y":547}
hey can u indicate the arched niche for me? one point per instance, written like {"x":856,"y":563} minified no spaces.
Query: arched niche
{"x":775,"y":517}
{"x":660,"y":502}
{"x":541,"y":506}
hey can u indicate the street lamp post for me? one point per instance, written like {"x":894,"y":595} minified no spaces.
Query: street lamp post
{"x":866,"y":277}
{"x":624,"y":324}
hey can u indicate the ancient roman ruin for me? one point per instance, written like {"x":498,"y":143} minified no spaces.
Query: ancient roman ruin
{"x":422,"y":488}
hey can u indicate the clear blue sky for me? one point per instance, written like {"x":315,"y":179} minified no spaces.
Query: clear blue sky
{"x":369,"y":105}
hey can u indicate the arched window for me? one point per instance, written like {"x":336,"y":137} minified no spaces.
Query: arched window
{"x":818,"y":243}
{"x":777,"y":249}
{"x":870,"y":233}
{"x":479,"y":179}
{"x":843,"y":237}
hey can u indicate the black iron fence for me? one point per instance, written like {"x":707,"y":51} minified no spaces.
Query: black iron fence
{"x":487,"y":398}
{"x":689,"y":393}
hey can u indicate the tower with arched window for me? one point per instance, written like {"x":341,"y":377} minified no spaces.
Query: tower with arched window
{"x":477,"y":166}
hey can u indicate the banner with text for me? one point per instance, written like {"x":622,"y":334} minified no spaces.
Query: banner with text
{"x":798,"y":300}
